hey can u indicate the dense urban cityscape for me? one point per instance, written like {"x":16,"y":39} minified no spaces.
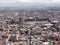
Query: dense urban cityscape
{"x":30,"y":26}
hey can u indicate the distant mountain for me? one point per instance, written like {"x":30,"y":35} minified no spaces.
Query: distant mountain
{"x":25,"y":5}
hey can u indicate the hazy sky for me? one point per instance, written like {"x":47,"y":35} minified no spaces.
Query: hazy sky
{"x":31,"y":1}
